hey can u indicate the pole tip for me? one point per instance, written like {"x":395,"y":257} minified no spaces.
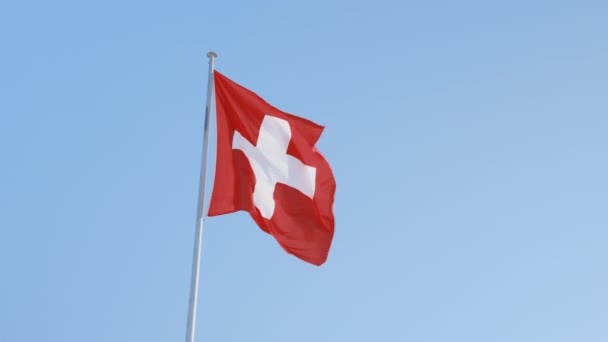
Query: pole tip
{"x":211,"y":54}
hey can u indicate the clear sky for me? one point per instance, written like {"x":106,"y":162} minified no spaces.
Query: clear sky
{"x":468,"y":140}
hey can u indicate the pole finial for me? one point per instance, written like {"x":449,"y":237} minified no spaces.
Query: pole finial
{"x":211,"y":54}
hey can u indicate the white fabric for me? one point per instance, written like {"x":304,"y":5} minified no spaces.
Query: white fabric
{"x":271,"y":164}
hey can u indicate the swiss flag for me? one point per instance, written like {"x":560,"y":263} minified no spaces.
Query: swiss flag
{"x":267,"y":165}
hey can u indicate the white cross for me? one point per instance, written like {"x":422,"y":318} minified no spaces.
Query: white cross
{"x":271,"y":164}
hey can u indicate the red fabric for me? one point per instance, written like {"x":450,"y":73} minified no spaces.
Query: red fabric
{"x":303,"y":226}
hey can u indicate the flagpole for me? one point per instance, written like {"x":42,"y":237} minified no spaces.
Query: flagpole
{"x":198,"y":235}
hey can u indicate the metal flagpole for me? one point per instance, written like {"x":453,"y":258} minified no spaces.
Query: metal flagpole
{"x":198,"y":237}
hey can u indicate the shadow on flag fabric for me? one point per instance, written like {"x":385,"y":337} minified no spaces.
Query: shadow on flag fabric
{"x":267,"y":164}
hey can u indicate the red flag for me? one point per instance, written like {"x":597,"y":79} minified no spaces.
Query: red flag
{"x":267,"y":165}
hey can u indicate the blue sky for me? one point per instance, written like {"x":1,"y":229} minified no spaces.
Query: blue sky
{"x":468,"y":140}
